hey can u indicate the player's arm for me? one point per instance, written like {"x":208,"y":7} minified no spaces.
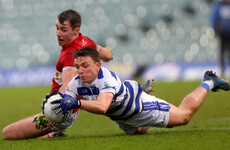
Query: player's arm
{"x":99,"y":106}
{"x":67,"y":76}
{"x":105,"y":53}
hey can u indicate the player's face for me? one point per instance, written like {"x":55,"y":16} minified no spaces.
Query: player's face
{"x":87,"y":68}
{"x":65,"y":33}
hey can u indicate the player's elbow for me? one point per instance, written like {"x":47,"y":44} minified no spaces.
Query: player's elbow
{"x":102,"y":110}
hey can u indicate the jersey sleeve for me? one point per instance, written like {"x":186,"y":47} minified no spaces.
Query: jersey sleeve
{"x":109,"y":85}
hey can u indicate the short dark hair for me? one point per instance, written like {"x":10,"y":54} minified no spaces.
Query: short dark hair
{"x":88,"y":51}
{"x":72,"y":16}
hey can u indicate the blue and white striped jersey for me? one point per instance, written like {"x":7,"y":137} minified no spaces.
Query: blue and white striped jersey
{"x":126,"y":102}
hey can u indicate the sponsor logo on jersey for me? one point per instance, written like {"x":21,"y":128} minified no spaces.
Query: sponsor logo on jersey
{"x":106,"y":84}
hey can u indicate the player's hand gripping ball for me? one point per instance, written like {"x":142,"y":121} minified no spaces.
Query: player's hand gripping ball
{"x":49,"y":111}
{"x":41,"y":121}
{"x":66,"y":103}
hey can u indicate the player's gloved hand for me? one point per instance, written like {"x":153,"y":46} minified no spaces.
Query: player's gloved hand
{"x":66,"y":103}
{"x":41,"y":121}
{"x":55,"y":91}
{"x":110,"y":52}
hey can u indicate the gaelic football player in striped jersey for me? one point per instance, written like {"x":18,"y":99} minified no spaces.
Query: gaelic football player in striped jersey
{"x":133,"y":110}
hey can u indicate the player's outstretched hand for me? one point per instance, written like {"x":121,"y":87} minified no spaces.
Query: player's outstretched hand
{"x":41,"y":121}
{"x":110,"y":52}
{"x":55,"y":91}
{"x":66,"y":103}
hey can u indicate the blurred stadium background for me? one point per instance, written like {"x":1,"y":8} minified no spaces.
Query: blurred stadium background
{"x":162,"y":39}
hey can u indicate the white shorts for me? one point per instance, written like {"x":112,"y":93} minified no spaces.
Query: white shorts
{"x":64,"y":125}
{"x":155,"y":113}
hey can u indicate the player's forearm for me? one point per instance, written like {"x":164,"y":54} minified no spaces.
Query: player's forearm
{"x":63,"y":88}
{"x":67,"y":76}
{"x":93,"y":107}
{"x":105,"y":53}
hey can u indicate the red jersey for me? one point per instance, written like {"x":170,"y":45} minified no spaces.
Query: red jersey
{"x":66,"y":58}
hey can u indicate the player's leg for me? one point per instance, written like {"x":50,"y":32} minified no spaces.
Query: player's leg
{"x":58,"y":129}
{"x":142,"y":130}
{"x":228,"y":53}
{"x":23,"y":129}
{"x":221,"y":55}
{"x":53,"y":134}
{"x":191,"y":103}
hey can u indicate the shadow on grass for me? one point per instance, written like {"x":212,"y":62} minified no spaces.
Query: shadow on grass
{"x":184,"y":131}
{"x":153,"y":132}
{"x":101,"y":136}
{"x":156,"y":132}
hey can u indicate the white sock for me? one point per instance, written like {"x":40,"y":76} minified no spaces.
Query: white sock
{"x":208,"y":85}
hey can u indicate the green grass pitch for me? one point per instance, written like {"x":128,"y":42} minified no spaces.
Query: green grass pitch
{"x":209,"y":128}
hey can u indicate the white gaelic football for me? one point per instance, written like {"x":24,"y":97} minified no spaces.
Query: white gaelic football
{"x":50,"y":114}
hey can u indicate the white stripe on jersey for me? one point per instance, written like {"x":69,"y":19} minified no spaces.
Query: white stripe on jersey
{"x":126,"y":102}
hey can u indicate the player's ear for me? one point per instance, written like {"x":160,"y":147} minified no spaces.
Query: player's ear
{"x":76,"y":31}
{"x":98,"y":65}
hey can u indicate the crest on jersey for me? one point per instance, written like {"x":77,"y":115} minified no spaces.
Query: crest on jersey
{"x":83,"y":43}
{"x":106,"y":84}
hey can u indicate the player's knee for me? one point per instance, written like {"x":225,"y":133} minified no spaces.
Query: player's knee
{"x":186,"y":119}
{"x":8,"y":133}
{"x":142,"y":130}
{"x":5,"y":134}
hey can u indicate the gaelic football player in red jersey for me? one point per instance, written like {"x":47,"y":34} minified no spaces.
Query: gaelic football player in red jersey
{"x":70,"y":39}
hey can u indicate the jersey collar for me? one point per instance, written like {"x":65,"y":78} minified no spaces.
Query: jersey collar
{"x":77,"y":40}
{"x":100,"y":74}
